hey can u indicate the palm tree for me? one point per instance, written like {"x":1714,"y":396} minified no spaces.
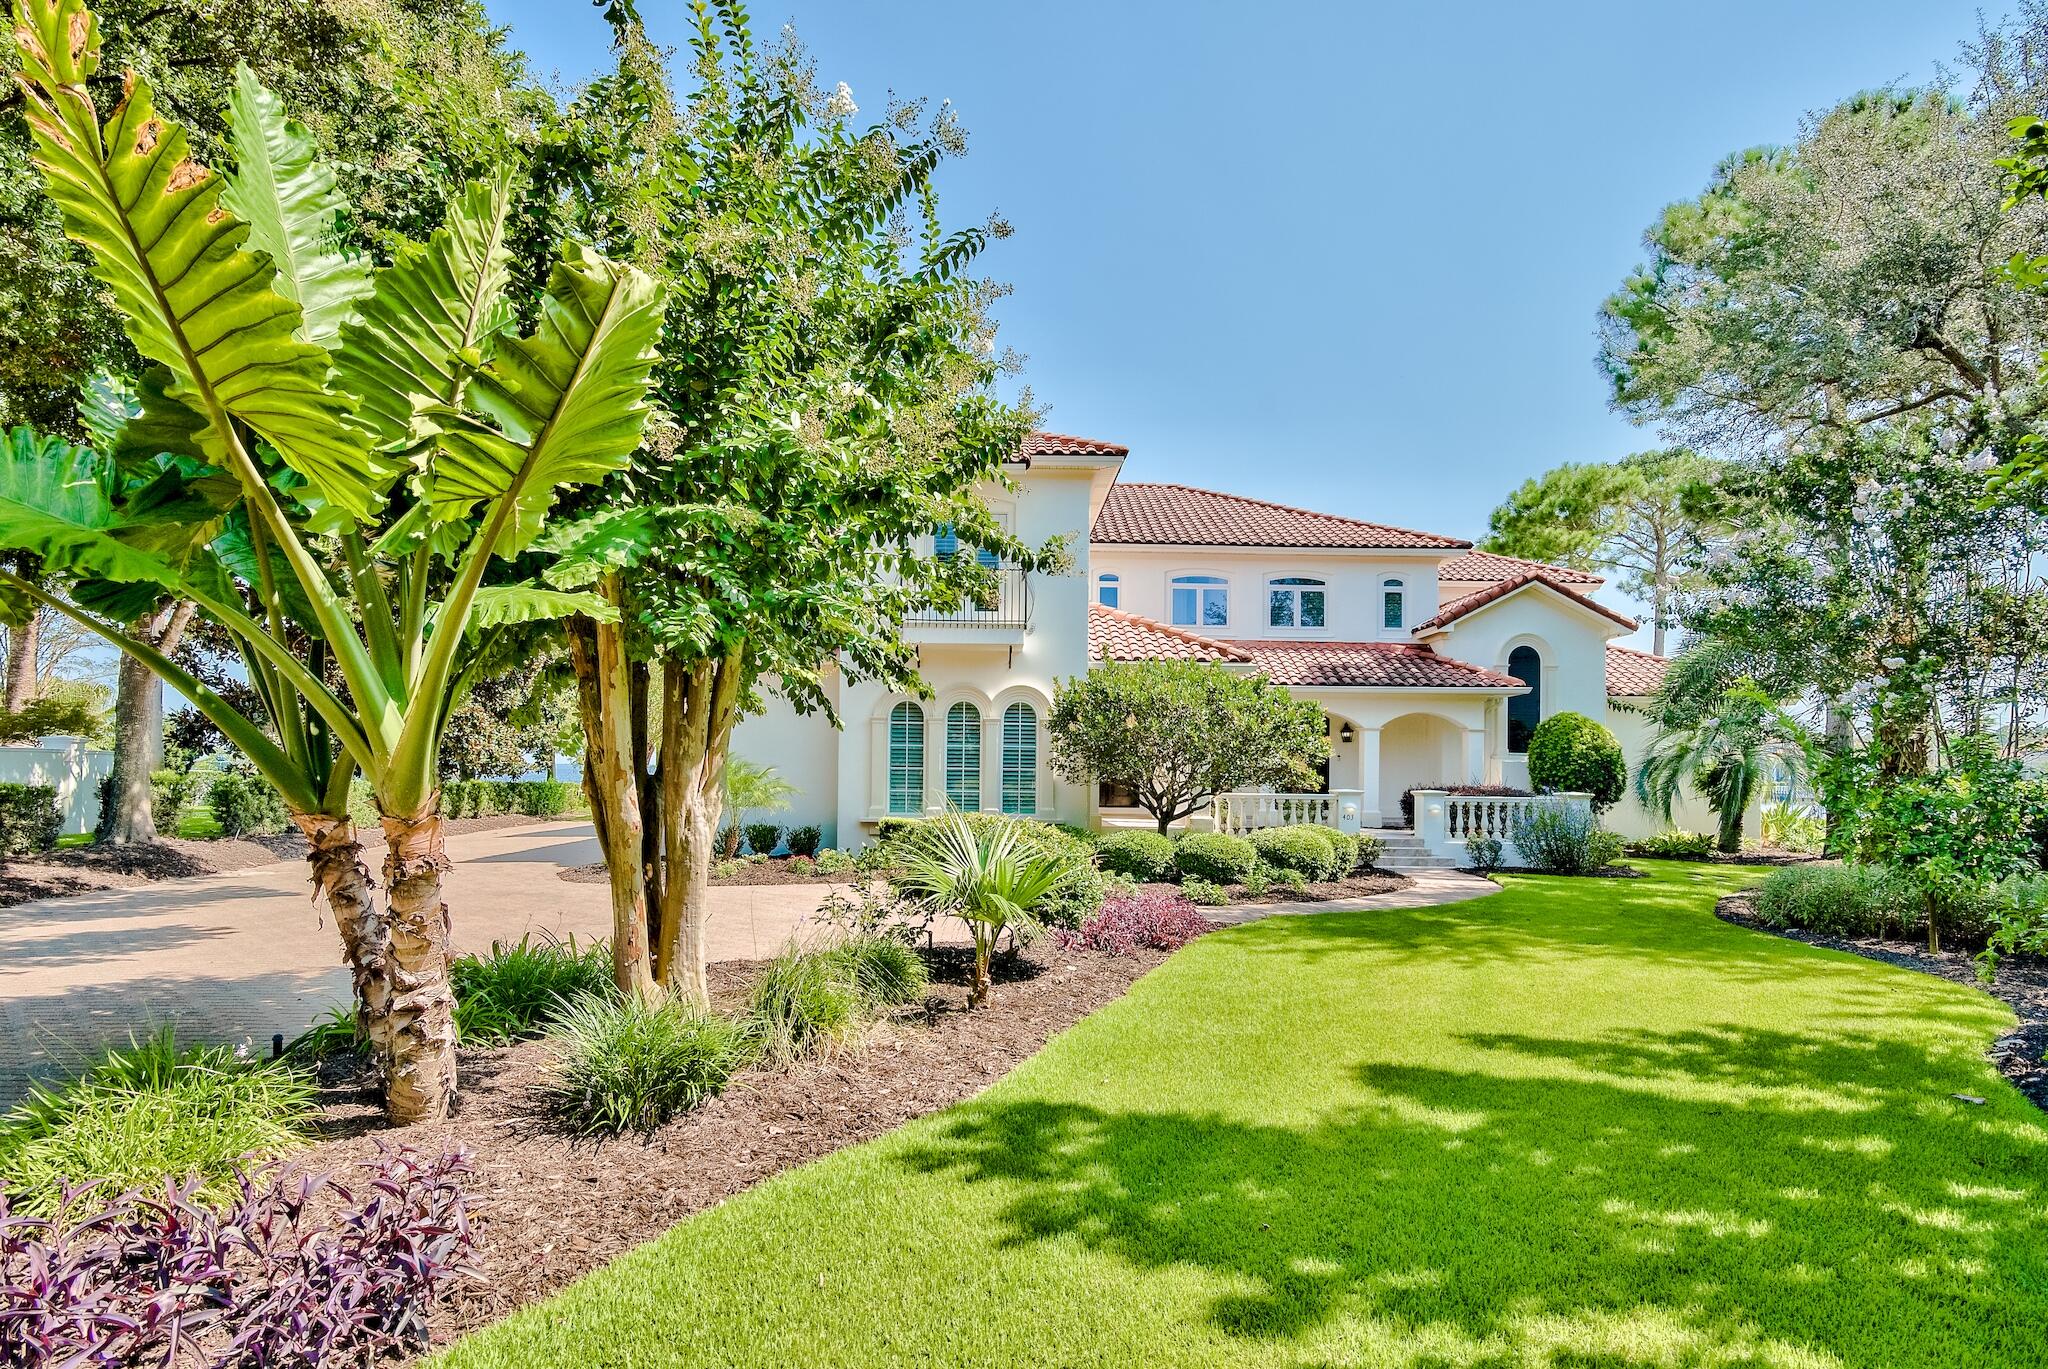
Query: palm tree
{"x":1726,"y":753}
{"x":748,"y":785}
{"x":991,"y":879}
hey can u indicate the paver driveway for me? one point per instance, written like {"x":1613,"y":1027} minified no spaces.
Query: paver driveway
{"x":247,"y":954}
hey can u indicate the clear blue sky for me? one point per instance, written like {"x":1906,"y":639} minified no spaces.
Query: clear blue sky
{"x":1337,"y":255}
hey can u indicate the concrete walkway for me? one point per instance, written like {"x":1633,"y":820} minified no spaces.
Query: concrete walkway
{"x":1431,"y":887}
{"x":245,"y":955}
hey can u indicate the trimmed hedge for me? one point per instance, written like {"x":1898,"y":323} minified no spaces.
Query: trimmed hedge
{"x":1217,"y":857}
{"x":246,"y":805}
{"x":487,"y":798}
{"x":1137,"y":854}
{"x":804,"y":840}
{"x":29,"y":820}
{"x":1569,"y":753}
{"x":1308,"y":851}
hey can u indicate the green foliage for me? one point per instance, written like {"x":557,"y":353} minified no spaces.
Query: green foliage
{"x":618,"y":1063}
{"x":831,"y":862}
{"x":1673,"y":845}
{"x":1146,"y":857}
{"x":29,"y":820}
{"x":994,"y":879}
{"x":804,"y":840}
{"x":887,"y":972}
{"x":488,"y":798}
{"x":1786,"y":828}
{"x":2020,"y":926}
{"x":338,"y":1031}
{"x":520,"y":988}
{"x":1076,"y":897}
{"x":1727,"y":754}
{"x":1308,"y":851}
{"x":1177,"y":733}
{"x":1293,"y":881}
{"x":1563,"y":841}
{"x":151,"y":1111}
{"x":1570,"y":753}
{"x":1347,"y":846}
{"x":246,"y":805}
{"x":1840,"y":900}
{"x":169,"y":791}
{"x":1204,"y":894}
{"x":763,"y":837}
{"x":808,"y":1002}
{"x":1370,"y":851}
{"x":1215,"y":856}
{"x":1484,"y":854}
{"x":75,"y":708}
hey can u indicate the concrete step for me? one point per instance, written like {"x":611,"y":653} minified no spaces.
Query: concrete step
{"x":1402,"y":863}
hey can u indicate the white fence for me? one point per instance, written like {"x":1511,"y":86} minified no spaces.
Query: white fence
{"x":1446,"y":822}
{"x":1245,"y":811}
{"x":68,"y":766}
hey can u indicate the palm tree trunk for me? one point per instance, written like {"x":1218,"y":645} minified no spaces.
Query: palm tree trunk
{"x":984,"y":945}
{"x":340,"y":877}
{"x":420,"y":1083}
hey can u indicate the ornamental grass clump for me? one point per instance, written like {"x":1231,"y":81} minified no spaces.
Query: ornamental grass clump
{"x":623,"y":1064}
{"x":150,"y":1112}
{"x":286,"y":1268}
{"x":520,"y":987}
{"x":886,"y":971}
{"x":808,"y":1002}
{"x":1151,"y":919}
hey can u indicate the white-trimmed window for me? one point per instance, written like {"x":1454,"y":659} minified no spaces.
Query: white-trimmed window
{"x":963,"y":757}
{"x":946,"y":546}
{"x":1201,"y":601}
{"x":1393,"y":604}
{"x":906,"y":758}
{"x":1295,"y":601}
{"x":1020,"y":759}
{"x":1109,"y":589}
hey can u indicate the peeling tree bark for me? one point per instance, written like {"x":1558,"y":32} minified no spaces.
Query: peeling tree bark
{"x":420,"y":1079}
{"x":604,"y":687}
{"x":700,"y":705}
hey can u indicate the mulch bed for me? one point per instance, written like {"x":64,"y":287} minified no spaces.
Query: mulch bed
{"x":2021,"y":982}
{"x":776,"y":871}
{"x":551,"y":1208}
{"x":1325,"y":891}
{"x":88,"y":869}
{"x":1748,"y":856}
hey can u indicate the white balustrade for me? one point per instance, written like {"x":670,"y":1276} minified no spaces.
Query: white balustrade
{"x":1243,"y":811}
{"x":1447,"y":821}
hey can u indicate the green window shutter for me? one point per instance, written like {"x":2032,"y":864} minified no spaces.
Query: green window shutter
{"x":963,"y":757}
{"x":1020,"y":759}
{"x":906,"y":758}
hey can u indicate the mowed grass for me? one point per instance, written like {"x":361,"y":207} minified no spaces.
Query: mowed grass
{"x":1577,"y":1123}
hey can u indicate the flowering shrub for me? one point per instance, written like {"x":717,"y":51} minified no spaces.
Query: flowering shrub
{"x":294,"y":1269}
{"x":1151,"y":919}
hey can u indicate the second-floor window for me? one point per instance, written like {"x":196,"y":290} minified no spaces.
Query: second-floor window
{"x":1295,"y":601}
{"x":1201,"y":601}
{"x":1108,"y":590}
{"x":1392,"y":600}
{"x":946,"y":546}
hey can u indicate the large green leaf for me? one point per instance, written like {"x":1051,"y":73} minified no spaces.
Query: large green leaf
{"x":58,"y":501}
{"x":191,"y":299}
{"x":499,"y":605}
{"x":432,"y":313}
{"x":287,"y":196}
{"x":568,"y":403}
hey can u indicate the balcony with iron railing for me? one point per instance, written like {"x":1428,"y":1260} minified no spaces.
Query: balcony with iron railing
{"x":1002,"y":613}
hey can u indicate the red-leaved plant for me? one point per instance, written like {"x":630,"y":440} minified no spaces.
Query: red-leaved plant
{"x":1150,"y":919}
{"x":296,"y":1269}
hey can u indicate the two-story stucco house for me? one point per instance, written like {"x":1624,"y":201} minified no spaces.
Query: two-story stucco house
{"x":1433,"y":660}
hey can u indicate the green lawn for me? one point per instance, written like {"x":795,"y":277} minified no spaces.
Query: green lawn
{"x":1579,"y":1123}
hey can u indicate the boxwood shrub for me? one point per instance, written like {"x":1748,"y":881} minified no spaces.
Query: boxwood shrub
{"x":1137,"y":854}
{"x":1308,"y":851}
{"x":29,"y":820}
{"x":1346,"y":847}
{"x":1216,"y":856}
{"x":1570,"y":753}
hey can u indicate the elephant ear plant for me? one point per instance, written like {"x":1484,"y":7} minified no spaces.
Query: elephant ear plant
{"x":328,"y":460}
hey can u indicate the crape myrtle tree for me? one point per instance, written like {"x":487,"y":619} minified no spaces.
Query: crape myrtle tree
{"x":321,"y":450}
{"x":1178,"y":733}
{"x":825,"y":382}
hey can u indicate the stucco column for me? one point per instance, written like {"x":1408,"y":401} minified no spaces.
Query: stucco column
{"x":991,"y":763}
{"x":1475,"y":755}
{"x":878,"y":763}
{"x":1370,"y":816}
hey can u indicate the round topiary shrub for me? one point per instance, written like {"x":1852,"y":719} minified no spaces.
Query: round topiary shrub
{"x":1136,"y":854}
{"x":1570,"y":753}
{"x":1346,"y":847}
{"x":1307,"y":851}
{"x":1217,"y":857}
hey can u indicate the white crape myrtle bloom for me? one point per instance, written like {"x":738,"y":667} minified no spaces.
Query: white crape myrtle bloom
{"x":1894,"y":663}
{"x":841,"y":103}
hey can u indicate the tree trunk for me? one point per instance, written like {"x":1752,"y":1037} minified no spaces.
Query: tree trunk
{"x":21,"y":662}
{"x":139,"y":730}
{"x":340,"y":877}
{"x":1658,"y":592}
{"x":1933,"y":927}
{"x":700,"y":704}
{"x":1730,"y":837}
{"x":984,"y":984}
{"x":597,"y":653}
{"x":420,"y":1080}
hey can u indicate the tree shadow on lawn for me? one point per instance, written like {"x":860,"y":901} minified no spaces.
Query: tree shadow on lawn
{"x":1717,"y":1196}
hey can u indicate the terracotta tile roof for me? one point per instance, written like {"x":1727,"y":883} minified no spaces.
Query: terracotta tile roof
{"x":1486,"y":566}
{"x":1114,"y":635}
{"x":1632,"y":673}
{"x":1060,"y":444}
{"x":1181,"y":515}
{"x":1458,"y":608}
{"x":1371,"y":665}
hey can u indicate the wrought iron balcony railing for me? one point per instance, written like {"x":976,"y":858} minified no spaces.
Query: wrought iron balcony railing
{"x":1007,"y":605}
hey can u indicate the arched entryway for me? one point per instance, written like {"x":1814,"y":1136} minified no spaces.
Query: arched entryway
{"x":1418,"y":751}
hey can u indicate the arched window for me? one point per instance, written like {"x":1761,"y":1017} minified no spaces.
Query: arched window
{"x":906,"y":758}
{"x":1108,"y":589}
{"x":1201,"y":601}
{"x":1020,"y":759}
{"x":1393,"y":605}
{"x":1525,"y":710}
{"x":963,"y":757}
{"x":1294,"y":601}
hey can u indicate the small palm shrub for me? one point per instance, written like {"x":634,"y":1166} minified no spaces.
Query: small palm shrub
{"x":519,"y":988}
{"x":808,"y":1002}
{"x":763,"y":837}
{"x":1201,"y":891}
{"x":620,"y":1063}
{"x":1564,"y":841}
{"x":1674,"y":845}
{"x":994,"y":879}
{"x":1485,"y":854}
{"x":1154,"y":919}
{"x":1082,"y":885}
{"x":1570,"y":753}
{"x":148,"y":1112}
{"x":1146,"y":857}
{"x":804,"y":840}
{"x":1215,"y":856}
{"x":1307,"y":851}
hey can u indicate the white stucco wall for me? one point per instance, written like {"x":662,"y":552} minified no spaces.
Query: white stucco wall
{"x":804,"y":749}
{"x":67,"y":765}
{"x":1352,"y":587}
{"x":1635,"y":731}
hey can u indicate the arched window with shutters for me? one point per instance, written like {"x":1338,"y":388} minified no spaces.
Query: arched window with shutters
{"x":1020,"y":759}
{"x":906,"y":758}
{"x":963,"y":757}
{"x":1525,"y":710}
